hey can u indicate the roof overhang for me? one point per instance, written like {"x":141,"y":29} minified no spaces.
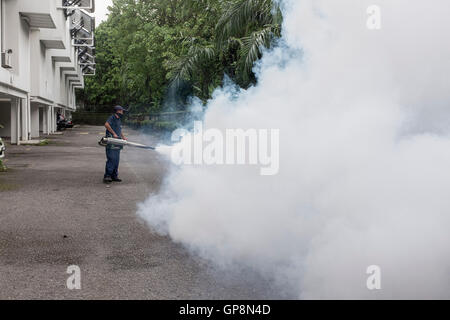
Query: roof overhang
{"x":67,"y":68}
{"x":53,"y":44}
{"x":72,"y":83}
{"x":61,"y":59}
{"x":41,"y":100}
{"x":38,"y":20}
{"x":72,"y":76}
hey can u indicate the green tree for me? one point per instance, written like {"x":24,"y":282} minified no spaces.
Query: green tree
{"x":244,"y":28}
{"x":149,"y":49}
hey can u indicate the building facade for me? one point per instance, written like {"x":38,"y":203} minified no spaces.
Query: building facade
{"x":47,"y":48}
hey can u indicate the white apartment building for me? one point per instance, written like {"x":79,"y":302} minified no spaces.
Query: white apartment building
{"x":47,"y":48}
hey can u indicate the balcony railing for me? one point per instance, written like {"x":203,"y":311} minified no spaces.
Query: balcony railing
{"x":88,"y":5}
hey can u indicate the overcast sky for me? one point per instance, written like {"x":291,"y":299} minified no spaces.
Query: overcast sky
{"x":101,"y":10}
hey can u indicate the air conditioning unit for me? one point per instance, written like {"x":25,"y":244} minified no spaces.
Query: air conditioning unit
{"x":6,"y":59}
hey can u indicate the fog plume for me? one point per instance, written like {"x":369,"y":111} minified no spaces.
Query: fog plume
{"x":364,"y":173}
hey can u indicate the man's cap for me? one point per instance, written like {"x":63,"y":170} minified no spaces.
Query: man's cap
{"x":119,"y":108}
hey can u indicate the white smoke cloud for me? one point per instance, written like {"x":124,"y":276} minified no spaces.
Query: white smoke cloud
{"x":364,"y":164}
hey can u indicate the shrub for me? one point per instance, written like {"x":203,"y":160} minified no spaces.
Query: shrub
{"x":88,"y":118}
{"x":165,"y":126}
{"x":2,"y":166}
{"x":44,"y":142}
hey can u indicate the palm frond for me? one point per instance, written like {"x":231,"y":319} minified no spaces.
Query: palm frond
{"x":239,"y":15}
{"x":187,"y":66}
{"x":253,"y":44}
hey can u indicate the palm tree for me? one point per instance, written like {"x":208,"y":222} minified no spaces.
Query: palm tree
{"x":245,"y":27}
{"x":188,"y":66}
{"x":244,"y":16}
{"x":252,"y":24}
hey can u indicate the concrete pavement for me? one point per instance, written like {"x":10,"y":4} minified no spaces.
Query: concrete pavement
{"x":56,"y":212}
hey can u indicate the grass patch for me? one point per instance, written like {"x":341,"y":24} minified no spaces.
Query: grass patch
{"x":44,"y":142}
{"x":2,"y":166}
{"x":4,"y":187}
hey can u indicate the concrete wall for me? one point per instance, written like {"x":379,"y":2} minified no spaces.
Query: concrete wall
{"x":36,"y":84}
{"x":35,"y":125}
{"x":17,"y":38}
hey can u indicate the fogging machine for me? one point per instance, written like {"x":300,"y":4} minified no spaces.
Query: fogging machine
{"x":104,"y":142}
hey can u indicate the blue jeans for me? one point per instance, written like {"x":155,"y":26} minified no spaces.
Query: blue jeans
{"x":112,"y":163}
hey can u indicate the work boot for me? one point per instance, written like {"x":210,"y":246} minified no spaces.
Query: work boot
{"x":116,"y":180}
{"x":107,"y":180}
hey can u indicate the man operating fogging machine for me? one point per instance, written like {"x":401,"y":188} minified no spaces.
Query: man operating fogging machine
{"x":114,"y":130}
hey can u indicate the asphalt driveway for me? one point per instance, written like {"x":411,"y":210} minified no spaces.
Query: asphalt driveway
{"x":56,"y":212}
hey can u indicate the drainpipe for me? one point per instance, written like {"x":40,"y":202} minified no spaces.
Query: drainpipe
{"x":29,"y":116}
{"x":18,"y":112}
{"x":2,"y":26}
